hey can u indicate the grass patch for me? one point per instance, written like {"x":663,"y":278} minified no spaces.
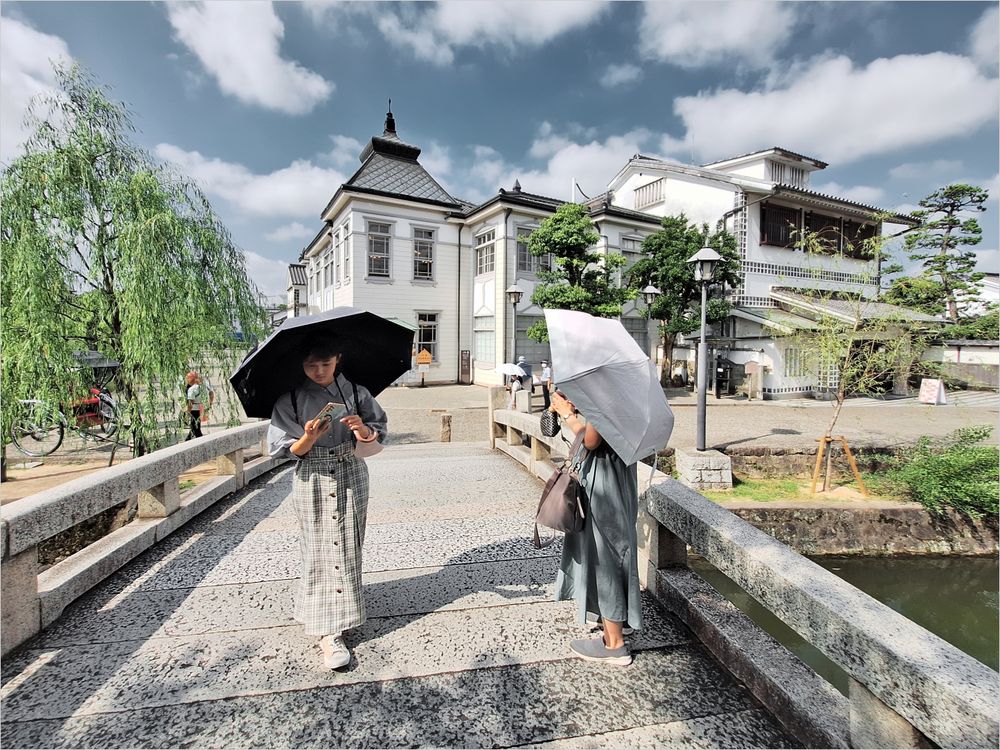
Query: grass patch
{"x":186,"y":484}
{"x":758,"y":490}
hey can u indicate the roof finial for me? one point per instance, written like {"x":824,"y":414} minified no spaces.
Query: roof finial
{"x":517,"y":186}
{"x":390,"y":122}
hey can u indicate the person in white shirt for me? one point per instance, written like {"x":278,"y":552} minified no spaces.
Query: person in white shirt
{"x":546,"y":381}
{"x":197,"y":395}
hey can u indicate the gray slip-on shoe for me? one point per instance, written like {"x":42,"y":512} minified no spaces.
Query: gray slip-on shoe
{"x":593,"y":649}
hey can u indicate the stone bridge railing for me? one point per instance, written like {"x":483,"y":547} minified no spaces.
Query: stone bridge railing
{"x":33,"y":598}
{"x":908,"y":687}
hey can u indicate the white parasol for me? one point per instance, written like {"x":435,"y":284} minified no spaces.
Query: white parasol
{"x":602,"y":370}
{"x":509,"y":368}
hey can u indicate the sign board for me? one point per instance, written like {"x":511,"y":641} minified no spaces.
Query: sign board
{"x":424,"y":357}
{"x":423,"y":368}
{"x":932,"y":392}
{"x":465,"y":369}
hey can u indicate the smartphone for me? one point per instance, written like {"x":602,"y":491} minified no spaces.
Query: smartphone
{"x":332,"y":411}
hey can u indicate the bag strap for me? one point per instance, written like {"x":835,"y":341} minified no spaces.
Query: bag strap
{"x":295,"y":404}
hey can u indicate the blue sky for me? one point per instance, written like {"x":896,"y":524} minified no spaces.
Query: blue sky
{"x":268,"y":105}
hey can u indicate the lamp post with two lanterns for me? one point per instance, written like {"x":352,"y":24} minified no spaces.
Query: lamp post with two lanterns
{"x":704,"y":262}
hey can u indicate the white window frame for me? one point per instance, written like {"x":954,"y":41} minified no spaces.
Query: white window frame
{"x":429,"y":244}
{"x":345,"y":228}
{"x":482,"y":325}
{"x":337,"y":242}
{"x":386,"y":255}
{"x":421,"y":344}
{"x":633,"y":253}
{"x":486,"y":252}
{"x":794,"y":362}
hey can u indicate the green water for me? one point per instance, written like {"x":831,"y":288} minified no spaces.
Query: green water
{"x":953,"y":597}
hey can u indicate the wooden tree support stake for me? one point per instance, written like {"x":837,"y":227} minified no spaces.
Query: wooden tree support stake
{"x":826,"y":449}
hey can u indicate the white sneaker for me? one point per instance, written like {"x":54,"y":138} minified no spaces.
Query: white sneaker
{"x":335,"y":651}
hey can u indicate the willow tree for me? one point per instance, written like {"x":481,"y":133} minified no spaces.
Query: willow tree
{"x":582,"y":279}
{"x":104,"y":248}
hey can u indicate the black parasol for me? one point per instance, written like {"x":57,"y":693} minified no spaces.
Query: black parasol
{"x":376,"y":352}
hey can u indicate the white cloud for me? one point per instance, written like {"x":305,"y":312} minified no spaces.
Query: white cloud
{"x":435,"y":33}
{"x":839,"y":113}
{"x":436,"y":159}
{"x":238,"y":44}
{"x":619,"y":75}
{"x":696,"y":34}
{"x":931,"y":170}
{"x":873,"y":196}
{"x":984,"y":41}
{"x":345,"y":153}
{"x":270,"y":276}
{"x":26,"y":57}
{"x":301,"y":189}
{"x":293,"y":231}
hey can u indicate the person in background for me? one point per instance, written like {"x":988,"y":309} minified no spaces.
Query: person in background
{"x":329,"y":493}
{"x":523,"y":364}
{"x":515,"y":386}
{"x":599,"y":568}
{"x":546,"y":381}
{"x":197,"y":393}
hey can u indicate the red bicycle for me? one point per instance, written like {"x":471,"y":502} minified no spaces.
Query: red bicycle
{"x":41,"y":427}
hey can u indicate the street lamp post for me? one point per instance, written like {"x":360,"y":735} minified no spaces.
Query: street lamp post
{"x":704,"y":262}
{"x":514,"y":295}
{"x":649,"y":295}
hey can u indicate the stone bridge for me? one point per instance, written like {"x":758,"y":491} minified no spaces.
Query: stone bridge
{"x":175,"y":631}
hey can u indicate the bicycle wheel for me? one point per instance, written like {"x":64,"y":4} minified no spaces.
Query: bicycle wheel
{"x":106,"y":423}
{"x":38,"y":431}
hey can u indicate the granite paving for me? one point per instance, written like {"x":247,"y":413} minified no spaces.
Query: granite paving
{"x":193,"y":644}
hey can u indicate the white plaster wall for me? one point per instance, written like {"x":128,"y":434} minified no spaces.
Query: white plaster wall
{"x":966,"y":355}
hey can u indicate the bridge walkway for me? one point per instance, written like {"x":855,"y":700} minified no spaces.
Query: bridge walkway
{"x":192,"y":644}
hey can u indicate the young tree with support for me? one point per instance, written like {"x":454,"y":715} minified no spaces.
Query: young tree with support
{"x":665,"y":266}
{"x":103,"y":248}
{"x":856,"y":344}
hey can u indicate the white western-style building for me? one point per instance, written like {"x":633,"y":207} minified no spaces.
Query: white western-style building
{"x":395,"y":242}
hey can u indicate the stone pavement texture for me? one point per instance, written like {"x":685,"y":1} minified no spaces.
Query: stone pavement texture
{"x":192,"y":644}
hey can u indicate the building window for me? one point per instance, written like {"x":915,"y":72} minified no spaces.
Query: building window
{"x":484,"y":338}
{"x":427,"y":333}
{"x":423,"y":253}
{"x":786,"y":174}
{"x":338,"y":243}
{"x":639,"y":330}
{"x":379,"y":243}
{"x":525,"y":260}
{"x":346,"y":233}
{"x":327,"y":268}
{"x":777,"y":224}
{"x":631,"y":248}
{"x":856,"y":238}
{"x":794,"y":365}
{"x":484,"y":251}
{"x":826,"y":230}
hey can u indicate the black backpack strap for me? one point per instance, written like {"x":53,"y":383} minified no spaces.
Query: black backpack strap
{"x":295,"y":404}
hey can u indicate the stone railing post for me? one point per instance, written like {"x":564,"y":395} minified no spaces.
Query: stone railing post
{"x":540,"y":450}
{"x":498,"y":400}
{"x":160,"y":501}
{"x":22,"y":608}
{"x":231,"y":464}
{"x":660,"y":548}
{"x":873,"y":724}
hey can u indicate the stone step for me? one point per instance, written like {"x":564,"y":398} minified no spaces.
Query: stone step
{"x":487,"y":707}
{"x":128,"y":675}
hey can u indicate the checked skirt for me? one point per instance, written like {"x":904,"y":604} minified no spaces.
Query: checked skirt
{"x":330,"y":496}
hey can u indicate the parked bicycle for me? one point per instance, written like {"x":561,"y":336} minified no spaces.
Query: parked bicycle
{"x":40,"y":428}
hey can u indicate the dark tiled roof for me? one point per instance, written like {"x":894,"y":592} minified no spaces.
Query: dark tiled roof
{"x":847,"y":309}
{"x":601,"y":205}
{"x":803,"y":193}
{"x":297,"y":274}
{"x":390,"y":175}
{"x":779,"y":149}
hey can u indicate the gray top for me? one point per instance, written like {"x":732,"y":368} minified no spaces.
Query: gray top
{"x":310,"y":398}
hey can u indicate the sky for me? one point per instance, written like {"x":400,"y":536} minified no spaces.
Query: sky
{"x":268,"y":105}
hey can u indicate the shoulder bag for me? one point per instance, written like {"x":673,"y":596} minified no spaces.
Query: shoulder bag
{"x":561,"y":507}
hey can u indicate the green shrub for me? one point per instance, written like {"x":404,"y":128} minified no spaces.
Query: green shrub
{"x":956,"y":471}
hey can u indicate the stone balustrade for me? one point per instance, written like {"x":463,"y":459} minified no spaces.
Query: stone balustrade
{"x":33,"y":598}
{"x":909,"y":688}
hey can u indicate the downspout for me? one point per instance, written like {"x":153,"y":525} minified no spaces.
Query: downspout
{"x":458,"y":306}
{"x":506,"y":215}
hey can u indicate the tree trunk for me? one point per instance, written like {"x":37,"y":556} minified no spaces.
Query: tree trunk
{"x":668,"y":361}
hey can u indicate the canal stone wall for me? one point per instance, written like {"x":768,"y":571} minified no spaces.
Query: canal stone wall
{"x":876,"y":529}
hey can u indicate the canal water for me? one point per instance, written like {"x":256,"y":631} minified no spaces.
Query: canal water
{"x":955,"y":598}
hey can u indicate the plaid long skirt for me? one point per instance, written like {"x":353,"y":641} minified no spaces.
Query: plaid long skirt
{"x":330,"y":495}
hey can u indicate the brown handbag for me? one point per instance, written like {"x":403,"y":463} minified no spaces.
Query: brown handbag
{"x":561,"y":507}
